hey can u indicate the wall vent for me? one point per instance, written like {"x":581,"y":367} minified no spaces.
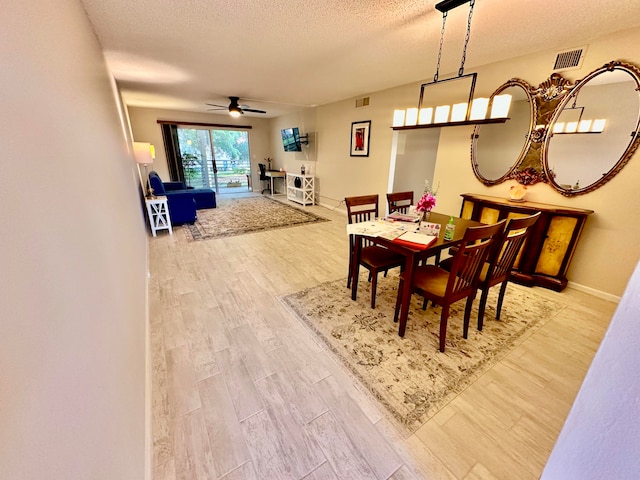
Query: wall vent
{"x":569,"y":59}
{"x":362,"y":102}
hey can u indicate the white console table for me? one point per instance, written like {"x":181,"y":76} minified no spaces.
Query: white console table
{"x":305,"y":192}
{"x":158,"y":211}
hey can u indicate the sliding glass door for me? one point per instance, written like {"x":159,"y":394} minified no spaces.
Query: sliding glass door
{"x":216,"y":159}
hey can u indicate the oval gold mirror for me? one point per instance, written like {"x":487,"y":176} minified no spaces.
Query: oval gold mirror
{"x":496,"y":149}
{"x":594,"y":130}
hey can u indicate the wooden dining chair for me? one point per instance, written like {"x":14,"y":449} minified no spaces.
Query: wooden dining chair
{"x":444,"y":287}
{"x":399,"y":201}
{"x":500,"y":261}
{"x":372,"y":257}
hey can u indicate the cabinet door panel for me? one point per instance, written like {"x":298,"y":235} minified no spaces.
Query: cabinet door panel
{"x":556,"y":245}
{"x":489,"y":215}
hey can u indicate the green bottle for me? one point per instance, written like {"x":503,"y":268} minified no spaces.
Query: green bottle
{"x":449,"y":230}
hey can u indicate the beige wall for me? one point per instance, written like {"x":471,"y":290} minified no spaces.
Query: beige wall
{"x":610,"y":245}
{"x":73,"y":256}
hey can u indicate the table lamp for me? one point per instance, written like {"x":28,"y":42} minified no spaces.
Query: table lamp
{"x":144,"y":153}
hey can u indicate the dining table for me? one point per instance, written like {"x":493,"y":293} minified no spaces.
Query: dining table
{"x":412,"y":255}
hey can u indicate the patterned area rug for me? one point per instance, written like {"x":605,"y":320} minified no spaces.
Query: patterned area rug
{"x":409,"y":376}
{"x":235,"y":216}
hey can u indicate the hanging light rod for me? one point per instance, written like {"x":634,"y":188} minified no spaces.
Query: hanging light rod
{"x":447,"y":5}
{"x":470,"y":111}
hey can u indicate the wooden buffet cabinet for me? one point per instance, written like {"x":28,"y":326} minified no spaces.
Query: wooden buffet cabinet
{"x":545,"y":257}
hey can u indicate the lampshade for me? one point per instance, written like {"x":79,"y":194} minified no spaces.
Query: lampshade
{"x":142,"y":153}
{"x":398,"y":118}
{"x":412,"y":116}
{"x":425,"y":116}
{"x":152,"y":149}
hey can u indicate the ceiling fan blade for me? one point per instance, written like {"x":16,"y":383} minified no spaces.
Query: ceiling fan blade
{"x":214,"y":105}
{"x":253,"y":110}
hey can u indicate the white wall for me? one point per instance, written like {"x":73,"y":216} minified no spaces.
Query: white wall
{"x":613,"y":228}
{"x":601,"y":436}
{"x":305,"y":120}
{"x":73,"y":256}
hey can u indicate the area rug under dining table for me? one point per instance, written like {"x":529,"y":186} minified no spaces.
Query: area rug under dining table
{"x":237,"y":216}
{"x":408,"y":376}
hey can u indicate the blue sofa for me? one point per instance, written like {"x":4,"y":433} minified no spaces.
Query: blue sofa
{"x":183,"y":202}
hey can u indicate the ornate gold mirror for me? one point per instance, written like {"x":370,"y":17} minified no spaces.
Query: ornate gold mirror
{"x":594,"y":130}
{"x":496,"y":149}
{"x":577,"y":136}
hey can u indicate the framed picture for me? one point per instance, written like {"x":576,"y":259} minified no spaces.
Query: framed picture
{"x":360,"y":132}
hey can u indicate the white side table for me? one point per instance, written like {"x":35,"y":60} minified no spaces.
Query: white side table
{"x":158,"y":211}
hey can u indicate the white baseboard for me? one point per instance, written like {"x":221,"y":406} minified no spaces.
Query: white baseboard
{"x":596,"y":293}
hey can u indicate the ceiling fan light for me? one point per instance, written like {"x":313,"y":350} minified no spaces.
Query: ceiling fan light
{"x":235,"y":112}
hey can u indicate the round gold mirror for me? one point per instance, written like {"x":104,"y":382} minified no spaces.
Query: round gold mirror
{"x":496,"y":149}
{"x":594,"y":130}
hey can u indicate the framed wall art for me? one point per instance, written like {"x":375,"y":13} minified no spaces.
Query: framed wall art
{"x":360,"y":133}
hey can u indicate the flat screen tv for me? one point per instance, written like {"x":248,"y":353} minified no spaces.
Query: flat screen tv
{"x":291,"y":140}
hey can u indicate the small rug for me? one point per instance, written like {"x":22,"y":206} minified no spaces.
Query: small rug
{"x":236,"y":216}
{"x":409,"y":376}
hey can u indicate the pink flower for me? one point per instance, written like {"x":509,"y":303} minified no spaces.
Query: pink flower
{"x":426,"y":202}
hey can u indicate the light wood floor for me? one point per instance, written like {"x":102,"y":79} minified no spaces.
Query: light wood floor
{"x":241,"y":389}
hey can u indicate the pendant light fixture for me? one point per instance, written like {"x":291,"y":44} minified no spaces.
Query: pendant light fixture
{"x":468,"y":111}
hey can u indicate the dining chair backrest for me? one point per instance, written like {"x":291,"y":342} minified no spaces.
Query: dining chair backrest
{"x":469,"y":259}
{"x":362,"y":208}
{"x":506,"y":249}
{"x":399,"y":201}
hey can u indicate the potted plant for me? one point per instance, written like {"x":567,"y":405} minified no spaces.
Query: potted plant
{"x":190,"y":166}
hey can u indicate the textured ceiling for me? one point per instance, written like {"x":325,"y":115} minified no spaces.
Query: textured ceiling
{"x":284,"y":54}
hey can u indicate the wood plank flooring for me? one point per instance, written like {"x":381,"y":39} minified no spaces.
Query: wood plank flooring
{"x":241,"y":389}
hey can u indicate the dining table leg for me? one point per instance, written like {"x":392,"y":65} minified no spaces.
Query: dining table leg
{"x":407,"y":286}
{"x":355,"y":265}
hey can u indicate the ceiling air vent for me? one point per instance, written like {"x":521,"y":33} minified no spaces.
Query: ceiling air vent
{"x":362,"y":102}
{"x":569,"y":59}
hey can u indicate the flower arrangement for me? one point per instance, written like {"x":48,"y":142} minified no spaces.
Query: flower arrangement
{"x":426,"y":202}
{"x":428,"y":199}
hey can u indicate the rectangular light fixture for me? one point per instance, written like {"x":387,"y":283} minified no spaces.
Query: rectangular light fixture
{"x":500,"y":106}
{"x":584,"y":126}
{"x":426,"y":116}
{"x":459,"y":112}
{"x":479,"y":108}
{"x":598,"y":125}
{"x":398,"y":118}
{"x":411,"y":117}
{"x":442,"y":114}
{"x":571,"y":127}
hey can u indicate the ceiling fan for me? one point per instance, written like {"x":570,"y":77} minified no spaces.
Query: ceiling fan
{"x":235,"y":110}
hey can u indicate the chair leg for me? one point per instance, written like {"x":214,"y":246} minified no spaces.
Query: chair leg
{"x":396,"y":314}
{"x":444,"y":317}
{"x":503,"y":288}
{"x":481,"y":307}
{"x":467,"y":317}
{"x":374,"y":284}
{"x":425,"y":302}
